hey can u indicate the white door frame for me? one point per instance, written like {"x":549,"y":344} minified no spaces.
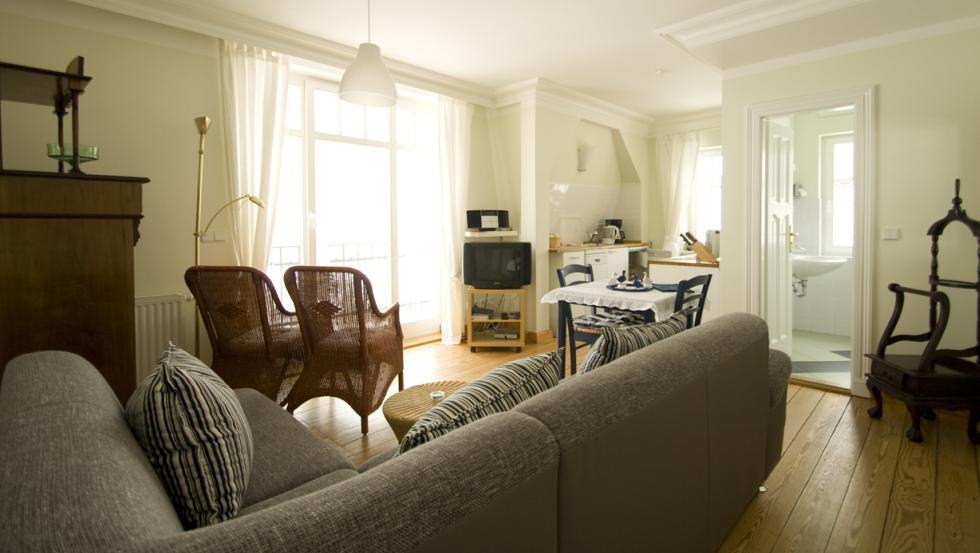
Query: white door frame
{"x":865,"y":127}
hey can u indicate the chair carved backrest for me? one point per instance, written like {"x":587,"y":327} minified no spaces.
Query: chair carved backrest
{"x":332,"y":302}
{"x":691,"y":296}
{"x":234,"y":302}
{"x":939,"y":304}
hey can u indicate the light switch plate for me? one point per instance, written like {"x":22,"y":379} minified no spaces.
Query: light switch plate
{"x":891,"y":233}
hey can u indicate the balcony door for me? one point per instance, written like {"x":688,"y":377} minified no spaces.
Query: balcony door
{"x":359,"y":188}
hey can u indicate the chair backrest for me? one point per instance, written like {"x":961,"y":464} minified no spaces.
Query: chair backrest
{"x":692,"y":293}
{"x":335,"y":302}
{"x":572,"y":270}
{"x":235,"y":304}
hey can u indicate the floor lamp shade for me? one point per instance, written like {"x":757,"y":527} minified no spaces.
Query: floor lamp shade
{"x":367,"y":81}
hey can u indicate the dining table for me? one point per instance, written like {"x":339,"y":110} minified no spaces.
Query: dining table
{"x":655,"y":305}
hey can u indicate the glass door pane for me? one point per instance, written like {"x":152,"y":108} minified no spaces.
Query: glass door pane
{"x":353,"y":211}
{"x":418,"y":225}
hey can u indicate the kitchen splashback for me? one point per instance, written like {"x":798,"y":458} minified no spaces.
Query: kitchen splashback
{"x":584,"y":206}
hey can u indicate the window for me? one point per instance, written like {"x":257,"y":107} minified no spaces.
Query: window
{"x":359,"y":188}
{"x":706,"y":203}
{"x":837,"y":193}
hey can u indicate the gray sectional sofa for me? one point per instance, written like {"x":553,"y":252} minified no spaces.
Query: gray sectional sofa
{"x":660,"y":450}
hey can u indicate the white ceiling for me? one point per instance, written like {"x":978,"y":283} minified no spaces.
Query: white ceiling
{"x":610,"y":49}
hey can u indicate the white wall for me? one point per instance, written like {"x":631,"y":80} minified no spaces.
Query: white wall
{"x":928,"y":134}
{"x":149,"y":83}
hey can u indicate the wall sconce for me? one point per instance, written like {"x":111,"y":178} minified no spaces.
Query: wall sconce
{"x":584,"y":155}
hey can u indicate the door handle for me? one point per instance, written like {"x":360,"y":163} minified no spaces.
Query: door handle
{"x":791,"y":238}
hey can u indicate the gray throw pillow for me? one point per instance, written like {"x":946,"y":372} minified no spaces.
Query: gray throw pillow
{"x":618,"y":341}
{"x":496,"y":392}
{"x":194,"y":432}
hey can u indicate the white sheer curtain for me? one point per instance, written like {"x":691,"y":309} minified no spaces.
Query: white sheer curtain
{"x":677,"y":160}
{"x":455,"y":121}
{"x":253,"y":83}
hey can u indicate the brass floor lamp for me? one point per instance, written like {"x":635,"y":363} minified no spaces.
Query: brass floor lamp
{"x":203,"y":123}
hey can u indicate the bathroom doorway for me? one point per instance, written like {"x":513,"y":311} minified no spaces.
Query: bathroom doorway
{"x":822,"y":244}
{"x":813,"y":172}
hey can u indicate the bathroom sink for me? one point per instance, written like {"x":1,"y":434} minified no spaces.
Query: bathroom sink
{"x":809,"y":266}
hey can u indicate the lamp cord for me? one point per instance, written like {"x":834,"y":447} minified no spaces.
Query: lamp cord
{"x":369,"y":20}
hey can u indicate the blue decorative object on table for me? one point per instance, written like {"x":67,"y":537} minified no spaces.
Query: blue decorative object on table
{"x":630,"y":287}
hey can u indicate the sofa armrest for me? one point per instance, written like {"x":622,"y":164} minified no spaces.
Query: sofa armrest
{"x":779,"y":370}
{"x":490,"y":486}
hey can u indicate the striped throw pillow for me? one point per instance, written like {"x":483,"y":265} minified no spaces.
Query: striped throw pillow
{"x":617,"y":342}
{"x":193,"y":430}
{"x":496,"y":392}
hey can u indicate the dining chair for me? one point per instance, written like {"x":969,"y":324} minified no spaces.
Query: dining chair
{"x":353,"y":350}
{"x":692,"y":293}
{"x":254,"y":339}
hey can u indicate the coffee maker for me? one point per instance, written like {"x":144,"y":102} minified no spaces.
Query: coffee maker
{"x":618,"y":223}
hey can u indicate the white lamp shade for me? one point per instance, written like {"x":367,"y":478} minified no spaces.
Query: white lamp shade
{"x":367,"y":81}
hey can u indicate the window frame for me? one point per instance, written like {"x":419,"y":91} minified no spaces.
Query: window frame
{"x":706,"y":151}
{"x":827,"y":204}
{"x":309,"y":137}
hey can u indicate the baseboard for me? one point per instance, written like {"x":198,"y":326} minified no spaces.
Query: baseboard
{"x":537,"y":337}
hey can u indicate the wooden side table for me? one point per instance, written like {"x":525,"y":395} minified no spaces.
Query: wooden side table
{"x":406,"y":407}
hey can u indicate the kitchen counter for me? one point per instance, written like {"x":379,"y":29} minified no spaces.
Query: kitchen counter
{"x":682,"y":261}
{"x":591,"y":247}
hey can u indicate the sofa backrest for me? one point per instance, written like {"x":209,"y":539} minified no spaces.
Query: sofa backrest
{"x":72,"y":474}
{"x":665,"y":447}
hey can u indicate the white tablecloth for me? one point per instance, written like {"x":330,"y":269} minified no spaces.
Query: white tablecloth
{"x":596,"y":293}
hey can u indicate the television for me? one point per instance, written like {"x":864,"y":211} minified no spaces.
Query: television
{"x":497,"y":265}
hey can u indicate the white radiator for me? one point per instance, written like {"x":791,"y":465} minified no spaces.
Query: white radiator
{"x":157,"y":323}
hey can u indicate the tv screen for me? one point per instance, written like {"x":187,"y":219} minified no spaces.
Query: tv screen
{"x":497,"y":265}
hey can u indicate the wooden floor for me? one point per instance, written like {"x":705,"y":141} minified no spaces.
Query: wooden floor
{"x":845,"y":482}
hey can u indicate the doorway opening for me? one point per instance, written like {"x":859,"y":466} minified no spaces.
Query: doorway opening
{"x":810,"y":268}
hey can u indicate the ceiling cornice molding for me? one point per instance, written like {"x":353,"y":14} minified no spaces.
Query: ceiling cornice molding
{"x":228,"y":25}
{"x":549,"y":94}
{"x":880,"y":41}
{"x":692,"y":121}
{"x":746,"y":17}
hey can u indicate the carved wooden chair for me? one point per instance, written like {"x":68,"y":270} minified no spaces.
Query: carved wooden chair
{"x":936,"y":378}
{"x":254,"y":339}
{"x":353,"y":350}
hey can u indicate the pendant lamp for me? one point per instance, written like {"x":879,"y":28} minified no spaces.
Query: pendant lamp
{"x":367,"y":81}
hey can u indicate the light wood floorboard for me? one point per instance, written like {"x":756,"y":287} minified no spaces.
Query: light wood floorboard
{"x":846,"y":483}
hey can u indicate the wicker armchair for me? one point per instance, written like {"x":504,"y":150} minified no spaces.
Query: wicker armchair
{"x":353,"y":350}
{"x":253,"y":337}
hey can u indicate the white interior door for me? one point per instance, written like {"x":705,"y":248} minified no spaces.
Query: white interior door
{"x":778,"y":262}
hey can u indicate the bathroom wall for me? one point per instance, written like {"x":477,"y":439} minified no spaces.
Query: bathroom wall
{"x":826,"y":308}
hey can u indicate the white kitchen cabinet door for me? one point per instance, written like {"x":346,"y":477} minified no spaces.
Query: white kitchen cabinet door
{"x":599,"y":260}
{"x":619,"y":260}
{"x":570,"y":258}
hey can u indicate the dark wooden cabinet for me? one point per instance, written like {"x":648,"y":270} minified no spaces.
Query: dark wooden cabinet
{"x":66,"y":268}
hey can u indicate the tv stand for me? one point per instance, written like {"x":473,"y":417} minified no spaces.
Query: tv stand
{"x":491,"y":320}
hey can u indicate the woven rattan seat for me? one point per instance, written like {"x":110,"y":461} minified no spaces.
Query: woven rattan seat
{"x":256,"y":343}
{"x":353,"y":350}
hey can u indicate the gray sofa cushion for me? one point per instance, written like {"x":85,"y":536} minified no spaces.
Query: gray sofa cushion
{"x":491,"y":488}
{"x":683,"y":419}
{"x":616,"y":342}
{"x":194,"y":433}
{"x":320,"y":483}
{"x":377,"y":460}
{"x":286,"y":453}
{"x":496,"y":392}
{"x":72,"y":477}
